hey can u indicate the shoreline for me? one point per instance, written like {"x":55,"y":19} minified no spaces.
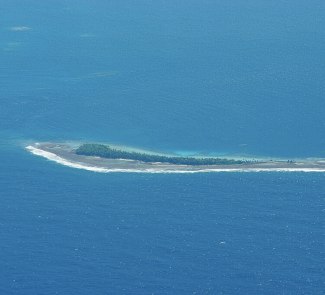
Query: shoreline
{"x":63,"y":153}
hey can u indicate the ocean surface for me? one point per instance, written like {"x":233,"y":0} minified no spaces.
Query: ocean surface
{"x":224,"y":77}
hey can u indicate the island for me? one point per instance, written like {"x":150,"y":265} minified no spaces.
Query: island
{"x":105,"y":151}
{"x":99,"y":157}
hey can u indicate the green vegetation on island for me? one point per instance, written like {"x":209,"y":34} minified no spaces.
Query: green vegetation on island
{"x":105,"y":151}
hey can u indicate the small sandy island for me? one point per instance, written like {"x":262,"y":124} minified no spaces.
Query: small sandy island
{"x":65,"y":154}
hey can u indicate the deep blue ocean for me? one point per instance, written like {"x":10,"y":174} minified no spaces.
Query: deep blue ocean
{"x":220,"y":77}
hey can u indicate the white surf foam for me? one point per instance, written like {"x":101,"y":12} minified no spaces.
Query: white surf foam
{"x":62,"y":161}
{"x":53,"y":157}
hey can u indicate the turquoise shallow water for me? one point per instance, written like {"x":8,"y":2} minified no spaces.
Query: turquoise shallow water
{"x":222,"y":76}
{"x":197,"y":77}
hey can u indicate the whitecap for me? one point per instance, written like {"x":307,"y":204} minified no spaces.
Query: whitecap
{"x":20,"y":29}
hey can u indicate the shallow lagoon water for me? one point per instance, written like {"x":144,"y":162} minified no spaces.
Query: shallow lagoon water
{"x":238,"y":77}
{"x":224,"y":77}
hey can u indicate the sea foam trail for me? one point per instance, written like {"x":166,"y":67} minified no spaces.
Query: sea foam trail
{"x":53,"y":157}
